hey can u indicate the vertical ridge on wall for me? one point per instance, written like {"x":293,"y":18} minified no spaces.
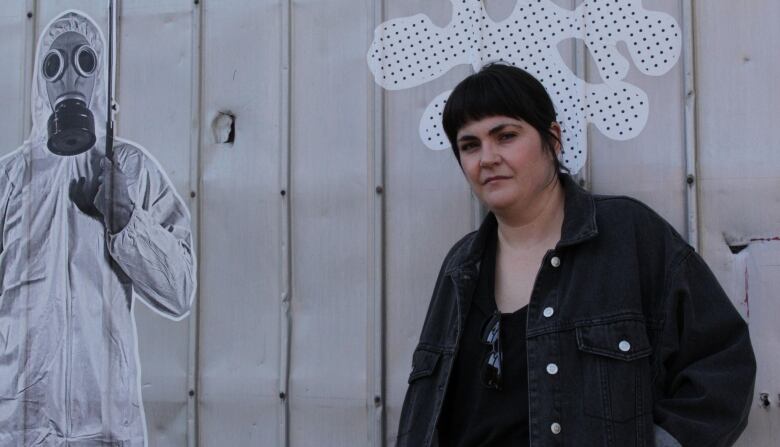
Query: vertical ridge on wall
{"x":377,"y":308}
{"x":117,"y":18}
{"x":692,"y":190}
{"x":581,"y":70}
{"x":285,"y":316}
{"x":196,"y":108}
{"x":30,"y":42}
{"x":155,"y":110}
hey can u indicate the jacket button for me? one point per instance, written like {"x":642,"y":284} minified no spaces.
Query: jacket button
{"x":555,"y":428}
{"x":552,"y":369}
{"x":624,"y":346}
{"x":555,"y":261}
{"x":548,"y":312}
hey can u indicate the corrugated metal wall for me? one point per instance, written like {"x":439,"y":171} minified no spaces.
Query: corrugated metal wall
{"x":323,"y":224}
{"x":739,"y":185}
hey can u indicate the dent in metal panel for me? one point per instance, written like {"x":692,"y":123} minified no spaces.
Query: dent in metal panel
{"x":240,"y":232}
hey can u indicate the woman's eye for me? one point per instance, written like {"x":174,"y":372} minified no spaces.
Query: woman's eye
{"x":506,"y":136}
{"x":467,"y":147}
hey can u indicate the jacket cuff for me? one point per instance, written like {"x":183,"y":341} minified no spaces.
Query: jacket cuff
{"x":663,"y":438}
{"x":132,"y":220}
{"x":131,"y":228}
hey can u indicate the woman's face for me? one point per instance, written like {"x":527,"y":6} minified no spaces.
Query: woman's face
{"x":504,"y":161}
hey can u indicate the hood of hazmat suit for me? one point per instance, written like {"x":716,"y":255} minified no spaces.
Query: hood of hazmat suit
{"x":69,"y":372}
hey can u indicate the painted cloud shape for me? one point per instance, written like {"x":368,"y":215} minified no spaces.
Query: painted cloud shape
{"x":410,"y":51}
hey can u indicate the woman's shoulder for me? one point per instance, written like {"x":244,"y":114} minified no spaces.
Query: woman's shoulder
{"x":625,"y":204}
{"x":624,"y":213}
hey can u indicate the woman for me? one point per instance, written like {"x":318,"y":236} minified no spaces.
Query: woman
{"x":567,"y":319}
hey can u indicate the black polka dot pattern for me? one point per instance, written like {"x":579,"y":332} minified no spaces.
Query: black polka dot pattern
{"x":410,"y":51}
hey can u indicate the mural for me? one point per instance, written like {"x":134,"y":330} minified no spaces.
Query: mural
{"x":410,"y":51}
{"x":87,"y":223}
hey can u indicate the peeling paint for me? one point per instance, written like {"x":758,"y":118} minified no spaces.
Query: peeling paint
{"x":738,"y":243}
{"x":765,"y":239}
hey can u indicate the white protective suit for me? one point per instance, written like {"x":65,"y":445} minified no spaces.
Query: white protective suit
{"x":68,"y":355}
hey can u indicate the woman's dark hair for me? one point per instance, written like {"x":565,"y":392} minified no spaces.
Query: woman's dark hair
{"x":500,"y":89}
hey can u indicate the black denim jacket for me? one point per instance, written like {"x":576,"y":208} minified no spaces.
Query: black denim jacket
{"x":649,"y":350}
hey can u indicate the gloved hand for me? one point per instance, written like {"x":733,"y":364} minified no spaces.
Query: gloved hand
{"x":113,"y":196}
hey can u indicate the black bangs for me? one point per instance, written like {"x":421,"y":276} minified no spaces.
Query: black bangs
{"x":497,"y":89}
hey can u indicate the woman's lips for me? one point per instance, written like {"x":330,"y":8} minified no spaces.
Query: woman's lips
{"x":494,"y":178}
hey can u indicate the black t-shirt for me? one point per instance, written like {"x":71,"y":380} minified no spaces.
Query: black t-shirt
{"x":474,"y":415}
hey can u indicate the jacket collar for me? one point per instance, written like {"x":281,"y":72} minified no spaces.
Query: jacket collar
{"x":579,"y":225}
{"x":579,"y":214}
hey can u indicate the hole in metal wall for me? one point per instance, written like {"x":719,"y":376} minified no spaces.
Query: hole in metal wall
{"x":736,"y":248}
{"x":224,"y":128}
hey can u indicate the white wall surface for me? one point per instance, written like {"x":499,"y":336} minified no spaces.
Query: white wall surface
{"x":322,"y":226}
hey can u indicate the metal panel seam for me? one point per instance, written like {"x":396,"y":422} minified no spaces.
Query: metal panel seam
{"x":691,"y":161}
{"x":581,"y":71}
{"x":117,"y":18}
{"x":376,"y":394}
{"x":285,"y":316}
{"x":196,"y":110}
{"x":27,"y":69}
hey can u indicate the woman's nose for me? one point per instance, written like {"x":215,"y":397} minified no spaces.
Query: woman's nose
{"x":489,"y":155}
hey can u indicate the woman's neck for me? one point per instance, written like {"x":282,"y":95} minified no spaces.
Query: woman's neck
{"x":535,"y":223}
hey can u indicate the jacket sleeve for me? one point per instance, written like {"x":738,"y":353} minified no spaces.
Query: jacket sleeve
{"x":155,"y":248}
{"x":705,"y":362}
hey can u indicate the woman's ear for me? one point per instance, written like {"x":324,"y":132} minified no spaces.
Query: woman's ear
{"x":555,"y":129}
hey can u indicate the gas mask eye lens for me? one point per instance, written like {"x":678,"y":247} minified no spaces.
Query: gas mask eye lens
{"x":53,"y":65}
{"x":85,"y":61}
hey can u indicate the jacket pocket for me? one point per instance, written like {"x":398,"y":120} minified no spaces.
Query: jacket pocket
{"x":423,"y":363}
{"x":420,"y":403}
{"x":617,"y":371}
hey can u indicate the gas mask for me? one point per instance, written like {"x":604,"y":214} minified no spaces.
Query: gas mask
{"x":69,"y":71}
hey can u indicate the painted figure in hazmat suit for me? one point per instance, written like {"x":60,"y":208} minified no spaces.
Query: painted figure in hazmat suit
{"x":72,"y":256}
